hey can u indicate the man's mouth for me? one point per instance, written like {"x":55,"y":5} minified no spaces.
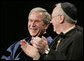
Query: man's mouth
{"x":33,"y":28}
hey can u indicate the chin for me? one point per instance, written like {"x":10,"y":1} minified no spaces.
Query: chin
{"x":33,"y":34}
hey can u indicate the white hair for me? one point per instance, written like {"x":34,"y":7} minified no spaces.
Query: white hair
{"x":67,"y":18}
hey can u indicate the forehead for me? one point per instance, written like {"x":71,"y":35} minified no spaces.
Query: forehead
{"x":36,"y":15}
{"x":55,"y":10}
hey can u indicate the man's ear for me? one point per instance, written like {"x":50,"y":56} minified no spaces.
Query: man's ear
{"x":62,"y":18}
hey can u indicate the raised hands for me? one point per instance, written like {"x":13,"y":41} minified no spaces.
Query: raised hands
{"x":29,"y":50}
{"x":39,"y":45}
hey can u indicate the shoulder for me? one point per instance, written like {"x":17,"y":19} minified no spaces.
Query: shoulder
{"x":17,"y":43}
{"x":79,"y":31}
{"x":79,"y":28}
{"x":14,"y":45}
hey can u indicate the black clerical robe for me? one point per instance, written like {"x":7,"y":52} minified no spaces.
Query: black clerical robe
{"x":70,"y":47}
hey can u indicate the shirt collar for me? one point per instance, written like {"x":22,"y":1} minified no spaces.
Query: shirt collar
{"x":69,"y":29}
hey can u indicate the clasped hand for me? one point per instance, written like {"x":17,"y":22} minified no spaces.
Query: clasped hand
{"x":39,"y":45}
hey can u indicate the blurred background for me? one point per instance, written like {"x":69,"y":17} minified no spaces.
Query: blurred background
{"x":14,"y":20}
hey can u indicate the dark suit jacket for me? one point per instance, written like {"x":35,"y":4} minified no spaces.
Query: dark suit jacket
{"x":70,"y":48}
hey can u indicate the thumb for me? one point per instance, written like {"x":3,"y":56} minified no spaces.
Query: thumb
{"x":43,"y":38}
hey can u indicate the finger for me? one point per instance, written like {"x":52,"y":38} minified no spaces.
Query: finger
{"x":35,"y":42}
{"x":31,"y":42}
{"x":24,"y":47}
{"x":44,"y":39}
{"x":35,"y":45}
{"x":22,"y":42}
{"x":37,"y":39}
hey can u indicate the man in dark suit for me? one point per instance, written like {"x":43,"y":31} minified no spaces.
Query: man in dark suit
{"x":68,"y":45}
{"x":38,"y":21}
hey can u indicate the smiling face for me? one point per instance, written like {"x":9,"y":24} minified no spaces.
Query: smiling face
{"x":36,"y":25}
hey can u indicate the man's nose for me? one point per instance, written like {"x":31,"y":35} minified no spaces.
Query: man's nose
{"x":33,"y":23}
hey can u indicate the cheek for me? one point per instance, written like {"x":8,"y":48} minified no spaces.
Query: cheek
{"x":40,"y":28}
{"x":39,"y":25}
{"x":55,"y":22}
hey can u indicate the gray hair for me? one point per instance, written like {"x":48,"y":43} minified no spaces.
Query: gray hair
{"x":67,"y":18}
{"x":47,"y":17}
